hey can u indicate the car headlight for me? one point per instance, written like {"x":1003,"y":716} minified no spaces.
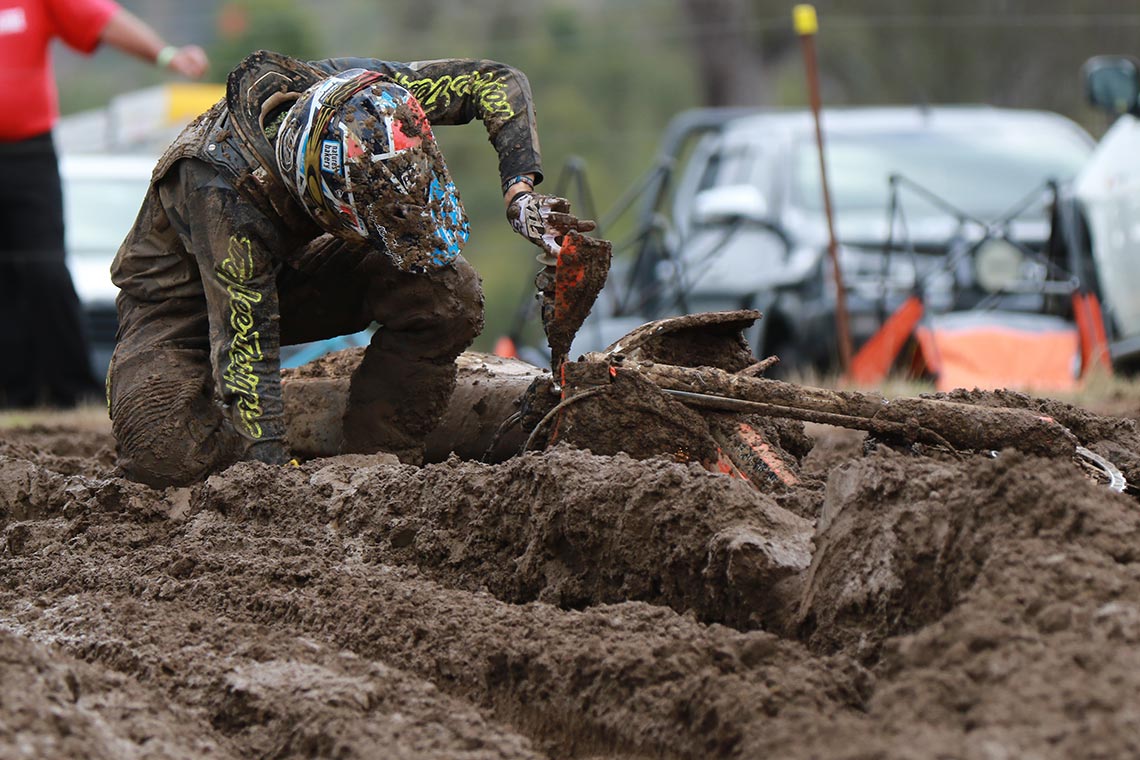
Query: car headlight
{"x":997,"y":265}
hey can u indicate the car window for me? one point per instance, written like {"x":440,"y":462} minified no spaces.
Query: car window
{"x":99,"y":212}
{"x":983,"y":173}
{"x":710,"y":172}
{"x":724,"y":163}
{"x":735,"y":164}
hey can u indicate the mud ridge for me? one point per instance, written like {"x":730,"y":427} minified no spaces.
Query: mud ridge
{"x":902,"y":539}
{"x":571,"y":605}
{"x":629,"y":678}
{"x":568,"y":528}
{"x":68,"y":708}
{"x":249,"y":691}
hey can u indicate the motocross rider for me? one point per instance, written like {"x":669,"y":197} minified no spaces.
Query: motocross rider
{"x":311,"y":202}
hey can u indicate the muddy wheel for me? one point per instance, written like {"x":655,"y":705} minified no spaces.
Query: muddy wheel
{"x":1100,"y":470}
{"x":1094,"y":466}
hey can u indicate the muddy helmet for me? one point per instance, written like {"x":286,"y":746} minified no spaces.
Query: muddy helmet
{"x":357,"y":152}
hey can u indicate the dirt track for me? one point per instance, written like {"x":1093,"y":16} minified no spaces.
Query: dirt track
{"x":571,"y":605}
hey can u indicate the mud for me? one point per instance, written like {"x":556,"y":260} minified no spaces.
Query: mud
{"x":487,"y":392}
{"x":629,"y":414}
{"x":708,"y":339}
{"x":894,"y":602}
{"x":570,"y":289}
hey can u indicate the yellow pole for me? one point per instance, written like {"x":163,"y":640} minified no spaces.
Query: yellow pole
{"x":807,"y":25}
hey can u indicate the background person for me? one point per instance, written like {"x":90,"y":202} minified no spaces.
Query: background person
{"x":42,"y":341}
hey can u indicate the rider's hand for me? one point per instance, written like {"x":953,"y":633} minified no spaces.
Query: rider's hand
{"x":544,"y":220}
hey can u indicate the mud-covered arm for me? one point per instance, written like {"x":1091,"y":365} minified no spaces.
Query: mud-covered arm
{"x":231,"y":241}
{"x":458,"y":90}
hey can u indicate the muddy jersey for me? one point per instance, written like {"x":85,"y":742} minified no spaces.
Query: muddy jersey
{"x":201,"y":266}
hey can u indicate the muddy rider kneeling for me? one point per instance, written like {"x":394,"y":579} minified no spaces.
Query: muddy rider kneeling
{"x":311,"y":202}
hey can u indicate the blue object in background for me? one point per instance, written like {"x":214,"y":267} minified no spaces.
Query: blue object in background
{"x":295,"y":356}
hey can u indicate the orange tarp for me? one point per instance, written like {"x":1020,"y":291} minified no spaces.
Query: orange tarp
{"x":874,"y":360}
{"x":1090,"y":325}
{"x":992,"y":356}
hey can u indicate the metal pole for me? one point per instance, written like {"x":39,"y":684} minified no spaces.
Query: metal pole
{"x":806,"y":26}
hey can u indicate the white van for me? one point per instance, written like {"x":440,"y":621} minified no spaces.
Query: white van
{"x":1107,"y":191}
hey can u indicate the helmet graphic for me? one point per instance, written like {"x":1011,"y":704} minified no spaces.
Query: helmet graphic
{"x":358,"y":153}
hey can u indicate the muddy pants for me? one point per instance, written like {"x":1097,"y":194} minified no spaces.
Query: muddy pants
{"x":171,"y":429}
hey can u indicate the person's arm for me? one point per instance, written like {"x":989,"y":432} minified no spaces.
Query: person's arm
{"x":456,"y":91}
{"x":134,"y":36}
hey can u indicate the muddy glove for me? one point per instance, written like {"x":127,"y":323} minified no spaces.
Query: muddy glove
{"x":544,"y":220}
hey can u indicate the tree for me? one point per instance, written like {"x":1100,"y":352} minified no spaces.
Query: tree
{"x":1022,"y":53}
{"x":730,"y":65}
{"x":248,"y":25}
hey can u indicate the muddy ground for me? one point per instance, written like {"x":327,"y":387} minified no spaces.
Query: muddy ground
{"x":569,"y":605}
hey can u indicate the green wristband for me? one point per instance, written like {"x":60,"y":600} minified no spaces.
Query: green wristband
{"x":165,"y":56}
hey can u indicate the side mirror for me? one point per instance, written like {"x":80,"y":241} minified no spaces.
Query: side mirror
{"x":1112,"y":83}
{"x":730,"y":203}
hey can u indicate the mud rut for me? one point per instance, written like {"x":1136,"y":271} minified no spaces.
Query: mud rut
{"x":571,"y":605}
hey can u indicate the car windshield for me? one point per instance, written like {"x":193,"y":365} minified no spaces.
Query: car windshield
{"x":99,"y":212}
{"x":983,"y":172}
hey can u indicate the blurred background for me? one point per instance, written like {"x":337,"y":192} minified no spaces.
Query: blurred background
{"x":608,"y":75}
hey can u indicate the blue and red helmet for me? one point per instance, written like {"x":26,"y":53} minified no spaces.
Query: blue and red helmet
{"x":358,"y":153}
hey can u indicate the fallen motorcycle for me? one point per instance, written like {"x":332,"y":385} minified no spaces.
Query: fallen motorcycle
{"x":685,"y":387}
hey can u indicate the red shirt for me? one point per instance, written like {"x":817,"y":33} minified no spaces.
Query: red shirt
{"x":29,"y":101}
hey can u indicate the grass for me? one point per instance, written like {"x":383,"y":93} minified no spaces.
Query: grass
{"x":87,"y":418}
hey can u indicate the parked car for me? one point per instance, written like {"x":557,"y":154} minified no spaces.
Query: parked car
{"x":102,"y":194}
{"x":952,"y":205}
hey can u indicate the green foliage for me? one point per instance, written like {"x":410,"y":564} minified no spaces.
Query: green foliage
{"x":279,"y":25}
{"x":1019,"y":53}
